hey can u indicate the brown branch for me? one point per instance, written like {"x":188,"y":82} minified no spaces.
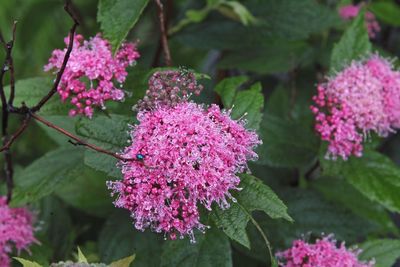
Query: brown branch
{"x":164,"y":33}
{"x":78,"y":140}
{"x":8,"y":168}
{"x":10,"y":46}
{"x":16,"y":135}
{"x":65,"y":61}
{"x":7,"y":65}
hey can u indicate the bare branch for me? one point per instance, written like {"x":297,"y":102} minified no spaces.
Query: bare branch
{"x":17,"y":134}
{"x":164,"y":34}
{"x":7,"y":65}
{"x":10,"y":46}
{"x":65,"y":61}
{"x":79,"y":141}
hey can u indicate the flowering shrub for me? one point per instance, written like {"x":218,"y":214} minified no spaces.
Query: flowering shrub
{"x":323,"y":253}
{"x":88,"y":79}
{"x":243,"y":126}
{"x":16,"y":230}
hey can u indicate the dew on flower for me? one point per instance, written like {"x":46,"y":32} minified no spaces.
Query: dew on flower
{"x":88,"y":79}
{"x":195,"y":152}
{"x":363,"y":98}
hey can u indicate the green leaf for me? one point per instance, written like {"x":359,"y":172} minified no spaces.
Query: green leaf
{"x":246,"y":104}
{"x":255,"y":195}
{"x":274,"y":57}
{"x":286,"y":143}
{"x":249,"y":105}
{"x":354,"y":44}
{"x":110,"y":133}
{"x":26,"y":263}
{"x":227,"y":89}
{"x":278,"y":103}
{"x":119,"y":239}
{"x":81,"y":256}
{"x":211,"y":249}
{"x":312,"y":215}
{"x":63,"y":121}
{"x":87,"y":191}
{"x":233,"y":221}
{"x":376,"y":177}
{"x":341,"y":192}
{"x":384,"y":251}
{"x":236,"y":10}
{"x":46,"y":174}
{"x":387,"y":11}
{"x":57,"y":226}
{"x":276,"y":19}
{"x":125,"y":262}
{"x":32,"y":90}
{"x":117,"y":17}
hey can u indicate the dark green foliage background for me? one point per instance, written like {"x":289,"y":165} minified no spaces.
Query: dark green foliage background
{"x":265,"y":65}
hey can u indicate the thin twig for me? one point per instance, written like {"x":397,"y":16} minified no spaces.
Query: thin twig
{"x":79,"y":141}
{"x":17,"y":134}
{"x":164,"y":33}
{"x":10,"y":46}
{"x":313,"y":168}
{"x":65,"y":61}
{"x":8,"y":168}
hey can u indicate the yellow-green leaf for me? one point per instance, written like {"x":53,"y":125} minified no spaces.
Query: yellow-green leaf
{"x":125,"y":262}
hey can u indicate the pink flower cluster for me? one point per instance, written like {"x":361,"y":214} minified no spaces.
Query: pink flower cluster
{"x":187,"y":155}
{"x":169,"y":88}
{"x":364,"y":97}
{"x":351,"y":11}
{"x":323,"y":253}
{"x":15,"y":229}
{"x":90,"y":74}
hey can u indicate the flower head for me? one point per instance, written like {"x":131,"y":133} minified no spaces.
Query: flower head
{"x":363,"y":98}
{"x":91,"y":72}
{"x":348,"y":12}
{"x":169,"y":88}
{"x":323,"y":253}
{"x":15,"y":230}
{"x":187,"y":155}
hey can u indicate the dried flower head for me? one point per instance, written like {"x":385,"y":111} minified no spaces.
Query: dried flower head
{"x":187,"y":155}
{"x":323,"y":253}
{"x":169,"y":88}
{"x":91,"y":72}
{"x":16,"y":230}
{"x":363,"y":98}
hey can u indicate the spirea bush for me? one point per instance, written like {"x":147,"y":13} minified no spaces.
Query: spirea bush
{"x":200,"y":133}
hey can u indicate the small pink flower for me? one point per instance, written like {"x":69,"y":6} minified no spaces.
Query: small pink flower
{"x":88,"y":79}
{"x":364,"y":97}
{"x":351,"y":11}
{"x":188,"y":155}
{"x":15,"y":229}
{"x":324,"y":253}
